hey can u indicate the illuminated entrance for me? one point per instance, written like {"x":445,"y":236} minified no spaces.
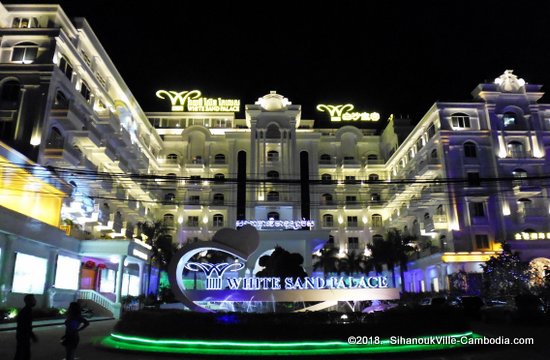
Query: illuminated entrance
{"x":199,"y":285}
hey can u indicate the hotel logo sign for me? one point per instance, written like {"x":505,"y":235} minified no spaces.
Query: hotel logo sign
{"x":345,"y":113}
{"x":193,"y":101}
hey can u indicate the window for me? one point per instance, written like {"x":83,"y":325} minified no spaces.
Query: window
{"x":374,"y":177}
{"x":433,"y":154}
{"x":473,"y":179}
{"x":351,"y":199}
{"x":376,"y":220}
{"x":273,"y":215}
{"x":328,"y":220}
{"x":272,"y":174}
{"x":169,"y":197}
{"x":192,"y":221}
{"x":55,"y":139}
{"x":516,"y":150}
{"x":326,"y":178}
{"x":419,"y":144}
{"x":326,"y":199}
{"x":477,"y":209}
{"x":194,"y":199}
{"x":60,"y":101}
{"x":219,"y":177}
{"x":23,"y":23}
{"x":372,"y":158}
{"x":431,"y":131}
{"x":353,"y":243}
{"x":375,"y":197}
{"x":169,"y":220}
{"x":440,"y":210}
{"x":85,"y":91}
{"x":482,"y":241}
{"x":460,"y":121}
{"x":172,"y":158}
{"x":219,"y":159}
{"x":352,"y":221}
{"x":197,"y":160}
{"x":509,"y":119}
{"x":217,"y":220}
{"x":66,"y":68}
{"x":470,"y":150}
{"x":9,"y":96}
{"x":273,"y":196}
{"x":194,"y":179}
{"x":350,"y":178}
{"x":349,"y":159}
{"x":24,"y":53}
{"x":325,"y":159}
{"x":272,"y":155}
{"x":218,"y":199}
{"x":330,"y":243}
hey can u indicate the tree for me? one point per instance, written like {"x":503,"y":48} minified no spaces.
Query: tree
{"x":327,"y":260}
{"x":282,"y":264}
{"x":353,"y":262}
{"x":393,"y":251}
{"x":158,"y":236}
{"x":505,"y":274}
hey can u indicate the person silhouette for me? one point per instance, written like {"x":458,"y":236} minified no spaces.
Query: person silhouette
{"x":24,"y":333}
{"x":72,"y":327}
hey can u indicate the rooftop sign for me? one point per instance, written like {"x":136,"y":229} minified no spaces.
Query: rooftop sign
{"x":344,"y":113}
{"x":193,"y":101}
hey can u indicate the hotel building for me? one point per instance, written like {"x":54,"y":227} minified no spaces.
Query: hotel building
{"x":466,"y":176}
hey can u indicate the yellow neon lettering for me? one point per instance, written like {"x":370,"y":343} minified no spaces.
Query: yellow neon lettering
{"x":344,"y":113}
{"x":192,"y":101}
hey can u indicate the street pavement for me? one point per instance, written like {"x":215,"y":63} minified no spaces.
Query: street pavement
{"x":49,"y":348}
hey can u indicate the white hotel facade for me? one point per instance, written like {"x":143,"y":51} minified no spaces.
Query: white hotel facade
{"x":467,"y":176}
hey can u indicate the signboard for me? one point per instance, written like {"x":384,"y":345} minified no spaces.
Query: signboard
{"x":225,"y":281}
{"x":277,"y":224}
{"x":194,"y":102}
{"x":532,"y":236}
{"x":345,"y":113}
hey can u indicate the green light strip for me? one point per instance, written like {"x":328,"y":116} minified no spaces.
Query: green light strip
{"x":206,"y":347}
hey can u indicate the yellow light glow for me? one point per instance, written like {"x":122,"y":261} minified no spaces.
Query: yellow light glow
{"x":343,"y":113}
{"x":466,"y":257}
{"x":506,"y":209}
{"x":23,"y":193}
{"x":192,"y":101}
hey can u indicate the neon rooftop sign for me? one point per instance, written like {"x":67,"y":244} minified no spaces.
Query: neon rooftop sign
{"x":193,"y":101}
{"x":344,"y":113}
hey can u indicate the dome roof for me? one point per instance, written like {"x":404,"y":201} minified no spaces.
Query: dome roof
{"x":273,"y":102}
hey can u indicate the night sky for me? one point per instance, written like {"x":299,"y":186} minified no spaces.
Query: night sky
{"x":388,"y":56}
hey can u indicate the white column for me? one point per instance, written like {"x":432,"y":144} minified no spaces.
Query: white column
{"x":119,"y":274}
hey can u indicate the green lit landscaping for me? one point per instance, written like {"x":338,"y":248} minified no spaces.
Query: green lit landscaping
{"x":263,"y":348}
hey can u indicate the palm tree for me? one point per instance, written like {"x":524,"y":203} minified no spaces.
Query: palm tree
{"x":400,"y":248}
{"x":158,"y":236}
{"x":327,"y":260}
{"x":352,"y":263}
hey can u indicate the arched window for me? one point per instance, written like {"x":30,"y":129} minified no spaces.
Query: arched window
{"x":433,"y":154}
{"x":66,"y":68}
{"x":374,"y":177}
{"x":219,"y":177}
{"x":470,"y":150}
{"x":218,"y":199}
{"x":172,"y":158}
{"x":272,"y":174}
{"x":326,"y":199}
{"x":325,"y":159}
{"x":326,"y":178}
{"x":273,"y":215}
{"x":273,"y":132}
{"x":60,"y":101}
{"x":9,"y":95}
{"x":219,"y":159}
{"x":375,"y":197}
{"x":377,"y":237}
{"x":217,"y":220}
{"x":272,"y":155}
{"x":168,"y":220}
{"x":55,"y":139}
{"x":273,"y":196}
{"x":460,"y":121}
{"x":510,"y":119}
{"x":328,"y":220}
{"x":516,"y":150}
{"x":24,"y":53}
{"x":376,"y":220}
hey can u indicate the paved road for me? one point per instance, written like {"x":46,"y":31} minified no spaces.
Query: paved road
{"x":48,"y":347}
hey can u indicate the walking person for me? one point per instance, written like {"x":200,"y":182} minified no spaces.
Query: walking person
{"x":72,"y":327}
{"x":24,"y":333}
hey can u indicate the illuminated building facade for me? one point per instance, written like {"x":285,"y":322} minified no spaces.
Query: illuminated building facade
{"x":459,"y":181}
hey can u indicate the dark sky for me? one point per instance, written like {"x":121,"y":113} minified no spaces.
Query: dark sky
{"x":387,"y":56}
